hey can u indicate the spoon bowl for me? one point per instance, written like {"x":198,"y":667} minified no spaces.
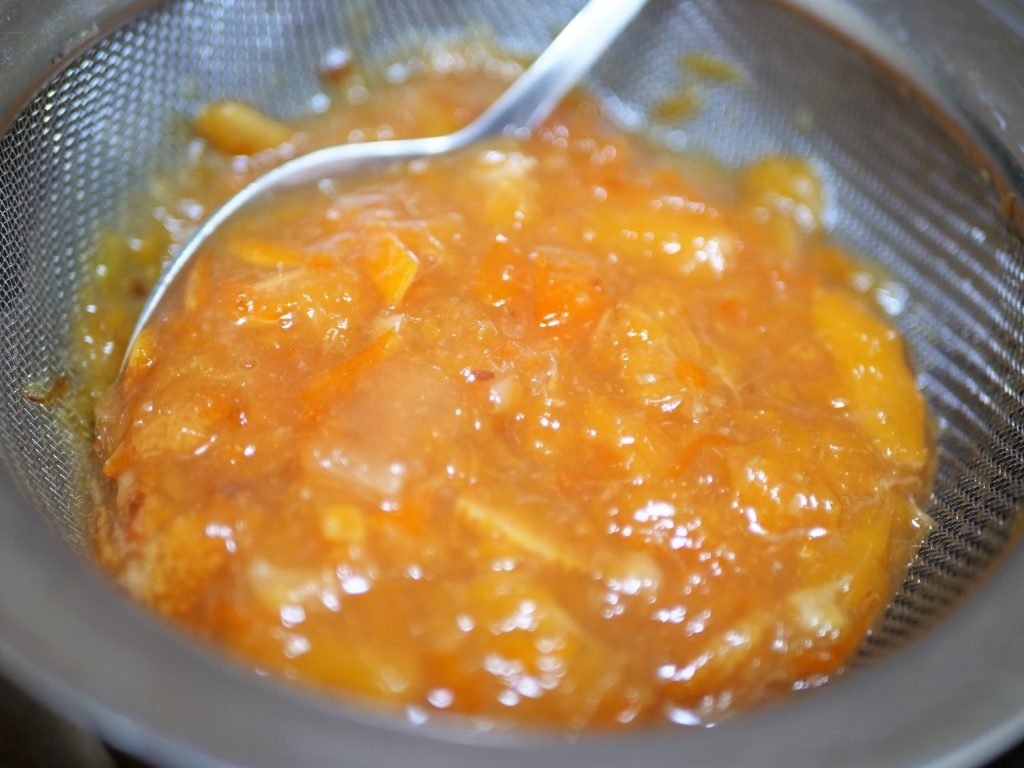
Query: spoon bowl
{"x":521,"y":108}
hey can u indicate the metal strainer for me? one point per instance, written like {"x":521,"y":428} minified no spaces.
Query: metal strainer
{"x":906,"y":191}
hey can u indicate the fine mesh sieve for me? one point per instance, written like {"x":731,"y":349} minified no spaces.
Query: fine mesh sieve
{"x":903,"y":192}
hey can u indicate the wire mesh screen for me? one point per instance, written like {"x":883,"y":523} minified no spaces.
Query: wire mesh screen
{"x":902,"y":193}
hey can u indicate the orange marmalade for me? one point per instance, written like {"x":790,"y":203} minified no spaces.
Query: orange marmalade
{"x":551,"y":430}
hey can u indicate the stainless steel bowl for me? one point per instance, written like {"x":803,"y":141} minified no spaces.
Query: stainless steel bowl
{"x":914,"y":111}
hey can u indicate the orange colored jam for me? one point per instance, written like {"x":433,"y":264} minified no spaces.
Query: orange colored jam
{"x":554,"y":430}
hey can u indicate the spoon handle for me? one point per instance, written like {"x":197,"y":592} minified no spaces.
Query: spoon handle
{"x":530,"y":99}
{"x":527,"y":102}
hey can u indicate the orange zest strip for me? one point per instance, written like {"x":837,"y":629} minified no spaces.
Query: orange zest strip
{"x":338,"y":381}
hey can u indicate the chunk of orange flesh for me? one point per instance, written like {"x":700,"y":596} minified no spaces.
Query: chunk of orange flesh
{"x":178,"y":564}
{"x":236,"y":128}
{"x":871,"y":362}
{"x":393,"y":268}
{"x":567,"y":296}
{"x":831,"y":618}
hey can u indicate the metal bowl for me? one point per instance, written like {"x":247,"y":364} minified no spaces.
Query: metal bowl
{"x":917,"y":122}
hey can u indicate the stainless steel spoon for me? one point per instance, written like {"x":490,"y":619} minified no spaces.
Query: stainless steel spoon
{"x":527,"y":102}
